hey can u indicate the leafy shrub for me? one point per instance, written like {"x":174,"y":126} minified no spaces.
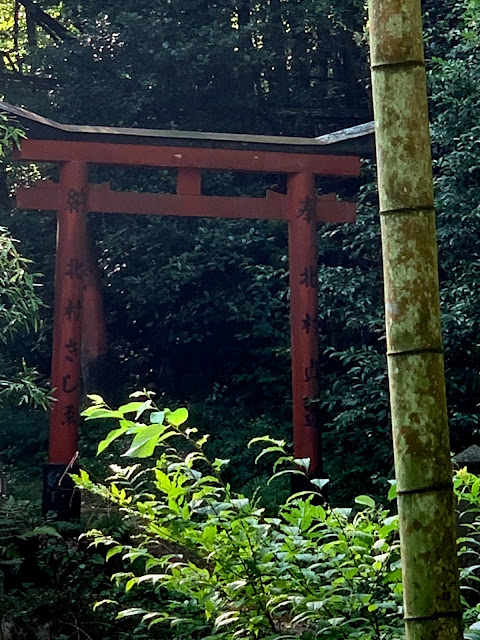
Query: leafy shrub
{"x":220,"y":567}
{"x":467,"y":488}
{"x":208,"y":562}
{"x":50,"y":579}
{"x":19,"y":302}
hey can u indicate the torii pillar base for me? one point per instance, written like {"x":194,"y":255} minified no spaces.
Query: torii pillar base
{"x":60,"y":496}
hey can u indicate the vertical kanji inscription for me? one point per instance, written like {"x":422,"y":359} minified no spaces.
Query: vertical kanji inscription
{"x":304,"y":318}
{"x":67,"y":329}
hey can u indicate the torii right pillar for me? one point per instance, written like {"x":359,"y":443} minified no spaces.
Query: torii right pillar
{"x":302,"y":227}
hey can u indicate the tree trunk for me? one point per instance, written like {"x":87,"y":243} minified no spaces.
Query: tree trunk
{"x":414,"y":342}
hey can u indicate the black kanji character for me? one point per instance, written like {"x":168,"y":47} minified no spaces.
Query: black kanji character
{"x":76,"y":200}
{"x":65,"y":383}
{"x":74,"y":269}
{"x":69,"y":415}
{"x":72,"y":310}
{"x":310,"y":414}
{"x":308,"y":322}
{"x":311,"y":372}
{"x":308,"y":209}
{"x":72,"y":348}
{"x":308,"y":277}
{"x":310,"y":420}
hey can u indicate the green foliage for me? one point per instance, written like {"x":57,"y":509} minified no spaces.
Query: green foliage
{"x":19,"y":304}
{"x":455,"y":136}
{"x":220,"y":566}
{"x":467,"y":488}
{"x":50,"y":580}
{"x":36,"y":556}
{"x":10,"y":135}
{"x":236,"y":66}
{"x":19,"y":312}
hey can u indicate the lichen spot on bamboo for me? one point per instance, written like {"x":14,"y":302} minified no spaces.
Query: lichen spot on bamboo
{"x":396,"y":26}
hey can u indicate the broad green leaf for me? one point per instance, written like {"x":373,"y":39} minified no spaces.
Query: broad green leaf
{"x":392,"y":492}
{"x":365,"y":500}
{"x":285,"y":472}
{"x":143,"y":407}
{"x":226,"y":618}
{"x":319,"y":482}
{"x":95,"y":398}
{"x":95,"y":412}
{"x":100,"y":603}
{"x":236,"y":585}
{"x":273,"y":449}
{"x":304,"y":463}
{"x":113,"y":551}
{"x":130,"y":584}
{"x":130,"y":407}
{"x":177,"y":417}
{"x":301,"y":494}
{"x":134,"y":611}
{"x":145,"y":441}
{"x":112,"y":435}
{"x":267,"y":439}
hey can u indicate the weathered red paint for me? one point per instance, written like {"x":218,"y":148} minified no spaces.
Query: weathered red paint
{"x":67,"y":321}
{"x":304,"y":318}
{"x":189,"y":182}
{"x":188,"y":157}
{"x":100,"y":199}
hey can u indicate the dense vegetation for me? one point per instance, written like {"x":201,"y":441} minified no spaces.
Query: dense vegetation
{"x":189,"y":557}
{"x":198,"y":310}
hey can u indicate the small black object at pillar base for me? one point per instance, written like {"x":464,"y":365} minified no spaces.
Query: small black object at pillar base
{"x":60,"y":495}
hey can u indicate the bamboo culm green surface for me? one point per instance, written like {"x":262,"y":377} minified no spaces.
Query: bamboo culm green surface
{"x":413,"y":324}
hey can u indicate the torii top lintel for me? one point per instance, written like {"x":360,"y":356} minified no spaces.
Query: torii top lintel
{"x":337,"y":154}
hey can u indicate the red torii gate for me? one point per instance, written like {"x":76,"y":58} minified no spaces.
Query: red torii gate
{"x":76,"y":295}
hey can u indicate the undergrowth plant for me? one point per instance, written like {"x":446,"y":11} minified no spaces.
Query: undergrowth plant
{"x":209,"y":562}
{"x":467,"y":489}
{"x":19,"y":302}
{"x":218,"y":565}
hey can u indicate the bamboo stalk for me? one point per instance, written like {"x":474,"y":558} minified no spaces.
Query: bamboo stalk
{"x":413,"y":323}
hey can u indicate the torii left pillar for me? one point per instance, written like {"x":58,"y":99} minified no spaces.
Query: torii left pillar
{"x":59,"y":494}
